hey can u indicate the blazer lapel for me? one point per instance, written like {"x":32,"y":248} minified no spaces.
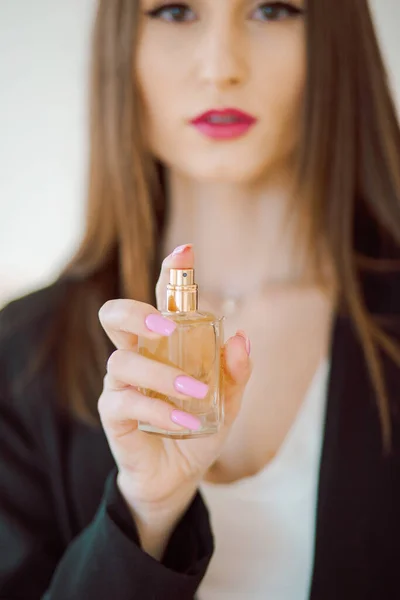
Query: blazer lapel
{"x":349,"y":473}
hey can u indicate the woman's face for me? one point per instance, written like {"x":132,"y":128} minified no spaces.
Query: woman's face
{"x":213,"y":55}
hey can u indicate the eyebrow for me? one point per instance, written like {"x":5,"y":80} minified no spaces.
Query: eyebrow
{"x":150,"y":4}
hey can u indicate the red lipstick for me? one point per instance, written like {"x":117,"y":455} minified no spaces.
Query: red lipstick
{"x":224,"y":124}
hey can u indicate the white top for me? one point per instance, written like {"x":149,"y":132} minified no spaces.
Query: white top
{"x":264,"y":526}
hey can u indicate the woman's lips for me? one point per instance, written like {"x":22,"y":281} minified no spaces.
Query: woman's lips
{"x":224,"y":124}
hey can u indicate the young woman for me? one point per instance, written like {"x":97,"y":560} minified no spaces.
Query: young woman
{"x":264,"y":134}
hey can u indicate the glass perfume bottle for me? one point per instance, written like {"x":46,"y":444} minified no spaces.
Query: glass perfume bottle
{"x":195,"y":348}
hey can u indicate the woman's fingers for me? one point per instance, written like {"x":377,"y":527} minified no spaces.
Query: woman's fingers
{"x":124,"y":320}
{"x":126,"y":368}
{"x":181,"y":258}
{"x":122,"y":405}
{"x":121,"y":410}
{"x":237,"y":369}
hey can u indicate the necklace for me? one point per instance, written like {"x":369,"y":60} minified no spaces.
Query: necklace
{"x":229,"y":304}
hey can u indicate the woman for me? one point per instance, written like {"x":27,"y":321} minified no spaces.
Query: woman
{"x":264,"y":134}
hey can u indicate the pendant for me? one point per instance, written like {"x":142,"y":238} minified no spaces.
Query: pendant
{"x":229,"y":306}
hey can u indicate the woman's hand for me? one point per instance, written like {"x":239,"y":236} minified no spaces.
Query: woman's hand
{"x":158,"y":476}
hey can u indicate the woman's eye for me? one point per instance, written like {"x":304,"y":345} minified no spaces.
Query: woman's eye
{"x":173,"y":13}
{"x":277,"y":11}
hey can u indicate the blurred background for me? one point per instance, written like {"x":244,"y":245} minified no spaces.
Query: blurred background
{"x":44,"y":51}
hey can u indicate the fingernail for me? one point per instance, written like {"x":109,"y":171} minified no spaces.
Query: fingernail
{"x":242,"y":334}
{"x":185,"y":420}
{"x":182,"y":249}
{"x":191,"y":387}
{"x":159,"y":324}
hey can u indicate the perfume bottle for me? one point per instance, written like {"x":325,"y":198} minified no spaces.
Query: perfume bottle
{"x":195,"y":348}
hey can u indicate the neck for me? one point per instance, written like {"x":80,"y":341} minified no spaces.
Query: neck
{"x":244,"y":236}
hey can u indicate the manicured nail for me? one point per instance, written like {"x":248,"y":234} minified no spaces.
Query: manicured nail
{"x":159,"y":324}
{"x":191,"y":387}
{"x":185,"y":420}
{"x":182,"y":249}
{"x":242,"y":334}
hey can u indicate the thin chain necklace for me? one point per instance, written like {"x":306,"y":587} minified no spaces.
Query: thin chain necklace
{"x":229,"y":304}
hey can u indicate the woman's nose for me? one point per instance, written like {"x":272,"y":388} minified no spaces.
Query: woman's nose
{"x":222,"y":57}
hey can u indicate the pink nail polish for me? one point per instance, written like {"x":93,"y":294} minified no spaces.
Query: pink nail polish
{"x":242,"y":334}
{"x":185,"y":420}
{"x":181,"y":249}
{"x":191,"y":387}
{"x":159,"y":324}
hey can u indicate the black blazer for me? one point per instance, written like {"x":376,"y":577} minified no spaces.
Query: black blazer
{"x":66,"y":534}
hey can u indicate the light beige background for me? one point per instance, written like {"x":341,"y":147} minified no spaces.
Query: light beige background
{"x":43,"y":144}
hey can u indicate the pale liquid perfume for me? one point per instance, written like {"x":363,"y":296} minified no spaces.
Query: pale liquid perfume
{"x":195,"y":348}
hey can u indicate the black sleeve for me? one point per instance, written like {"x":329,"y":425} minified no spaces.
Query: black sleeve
{"x":105,"y":560}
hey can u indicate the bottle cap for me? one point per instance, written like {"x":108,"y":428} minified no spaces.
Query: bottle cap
{"x":181,"y":277}
{"x":182,"y":291}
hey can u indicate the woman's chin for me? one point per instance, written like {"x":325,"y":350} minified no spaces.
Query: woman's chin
{"x":228,"y":172}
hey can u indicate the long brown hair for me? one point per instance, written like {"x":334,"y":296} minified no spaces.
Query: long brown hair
{"x":349,"y":166}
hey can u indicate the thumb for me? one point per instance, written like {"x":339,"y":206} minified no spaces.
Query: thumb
{"x":181,"y":258}
{"x":237,"y":368}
